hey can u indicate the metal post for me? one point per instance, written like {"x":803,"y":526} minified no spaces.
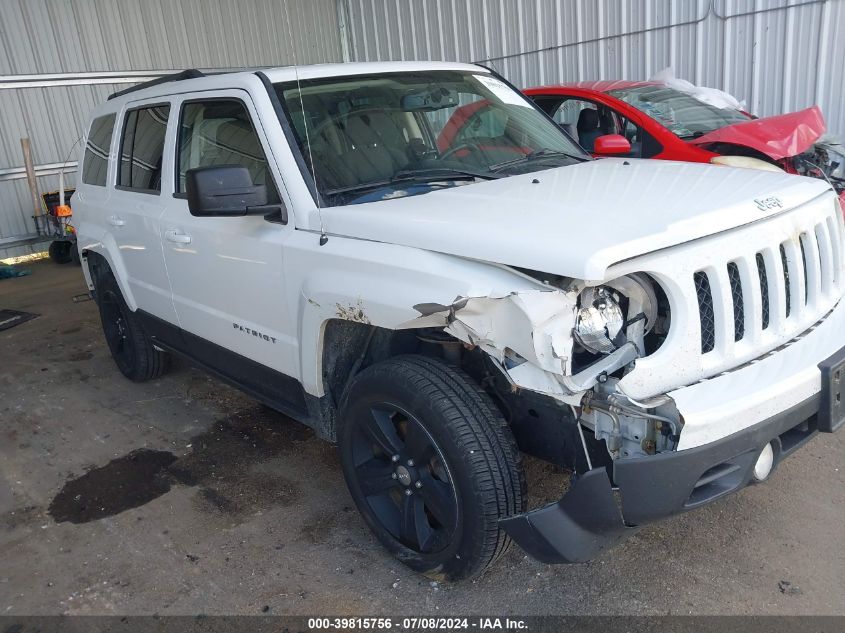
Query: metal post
{"x":31,"y":181}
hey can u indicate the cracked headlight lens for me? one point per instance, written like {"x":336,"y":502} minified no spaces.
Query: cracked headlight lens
{"x":600,"y":320}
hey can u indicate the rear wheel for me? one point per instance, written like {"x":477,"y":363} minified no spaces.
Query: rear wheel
{"x":130,"y":347}
{"x":431,"y":465}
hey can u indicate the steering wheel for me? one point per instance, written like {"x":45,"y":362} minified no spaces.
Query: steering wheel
{"x":471,"y":147}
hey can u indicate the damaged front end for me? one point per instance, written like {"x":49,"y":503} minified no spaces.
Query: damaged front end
{"x":795,"y":142}
{"x":561,"y":350}
{"x":573,"y":342}
{"x":825,"y":160}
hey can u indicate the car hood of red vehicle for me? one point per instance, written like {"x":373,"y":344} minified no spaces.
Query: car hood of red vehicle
{"x":775,"y":136}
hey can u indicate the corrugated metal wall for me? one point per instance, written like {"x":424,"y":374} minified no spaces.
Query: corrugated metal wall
{"x":777,"y":55}
{"x":59,"y":58}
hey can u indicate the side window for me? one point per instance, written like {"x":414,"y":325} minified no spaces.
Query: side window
{"x":142,"y":148}
{"x":95,"y":164}
{"x":219,"y":132}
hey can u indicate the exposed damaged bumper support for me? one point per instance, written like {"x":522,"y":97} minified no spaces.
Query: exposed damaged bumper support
{"x":591,"y":518}
{"x":606,"y":365}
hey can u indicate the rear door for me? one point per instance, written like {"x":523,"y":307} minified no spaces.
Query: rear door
{"x":227,"y":273}
{"x":136,"y":205}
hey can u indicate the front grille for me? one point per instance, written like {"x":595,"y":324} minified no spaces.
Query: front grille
{"x":810,"y":264}
{"x":738,"y":303}
{"x":707,"y":337}
{"x":705,"y":312}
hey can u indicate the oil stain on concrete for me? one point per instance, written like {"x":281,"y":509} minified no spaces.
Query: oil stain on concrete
{"x":126,"y":482}
{"x":222,"y":463}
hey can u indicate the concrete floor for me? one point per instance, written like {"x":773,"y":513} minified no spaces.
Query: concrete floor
{"x":249,"y":513}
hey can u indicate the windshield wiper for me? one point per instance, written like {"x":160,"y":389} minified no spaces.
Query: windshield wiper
{"x":441,"y":173}
{"x":415,"y":175}
{"x":536,"y":155}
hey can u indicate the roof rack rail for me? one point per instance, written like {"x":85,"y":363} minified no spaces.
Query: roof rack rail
{"x":191,"y":73}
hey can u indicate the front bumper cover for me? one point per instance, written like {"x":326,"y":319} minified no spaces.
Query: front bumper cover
{"x":593,"y":516}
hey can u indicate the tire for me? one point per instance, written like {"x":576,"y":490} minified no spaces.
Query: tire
{"x":59,"y":252}
{"x":431,"y":465}
{"x":130,"y":347}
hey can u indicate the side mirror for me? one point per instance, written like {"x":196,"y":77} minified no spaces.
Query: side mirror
{"x":226,"y":191}
{"x":611,"y":144}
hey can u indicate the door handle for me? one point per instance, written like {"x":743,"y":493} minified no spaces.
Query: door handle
{"x":177,"y":237}
{"x":115,"y":220}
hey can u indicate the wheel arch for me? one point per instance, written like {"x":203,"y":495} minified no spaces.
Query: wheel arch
{"x":97,"y":261}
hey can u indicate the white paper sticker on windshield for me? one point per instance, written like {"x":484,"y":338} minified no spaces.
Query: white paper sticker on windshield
{"x":502,"y":91}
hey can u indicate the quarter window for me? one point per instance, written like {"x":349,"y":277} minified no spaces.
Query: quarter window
{"x":142,"y":148}
{"x":216,"y":133}
{"x":95,"y":163}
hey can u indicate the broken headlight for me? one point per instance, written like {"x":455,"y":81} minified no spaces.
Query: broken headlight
{"x":625,"y":309}
{"x":600,"y":320}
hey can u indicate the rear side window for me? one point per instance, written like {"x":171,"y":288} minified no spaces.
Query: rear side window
{"x":219,"y":132}
{"x":142,"y":148}
{"x":95,"y":163}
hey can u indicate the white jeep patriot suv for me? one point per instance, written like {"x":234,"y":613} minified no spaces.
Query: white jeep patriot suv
{"x":417,"y":263}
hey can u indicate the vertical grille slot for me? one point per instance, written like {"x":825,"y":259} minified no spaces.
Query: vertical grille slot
{"x":826,"y":262}
{"x":705,"y":311}
{"x":804,"y":268}
{"x":738,"y":303}
{"x":786,"y":280}
{"x":764,"y":288}
{"x":836,"y":249}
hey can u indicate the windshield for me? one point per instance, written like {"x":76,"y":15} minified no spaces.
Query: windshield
{"x":684,"y":115}
{"x":377,"y":137}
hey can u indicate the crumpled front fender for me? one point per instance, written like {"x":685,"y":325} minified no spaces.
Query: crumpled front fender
{"x":528,"y":333}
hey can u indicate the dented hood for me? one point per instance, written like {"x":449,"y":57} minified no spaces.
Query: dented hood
{"x":775,"y":136}
{"x":575,"y":221}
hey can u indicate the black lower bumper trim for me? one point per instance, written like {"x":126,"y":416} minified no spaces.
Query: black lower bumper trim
{"x":587,"y":520}
{"x":576,"y":528}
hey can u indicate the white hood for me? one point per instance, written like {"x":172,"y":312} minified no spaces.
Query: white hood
{"x":576,"y":221}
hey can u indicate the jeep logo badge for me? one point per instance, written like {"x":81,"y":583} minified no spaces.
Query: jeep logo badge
{"x":765,"y":204}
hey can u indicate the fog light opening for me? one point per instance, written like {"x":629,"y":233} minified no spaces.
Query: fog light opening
{"x":764,"y":463}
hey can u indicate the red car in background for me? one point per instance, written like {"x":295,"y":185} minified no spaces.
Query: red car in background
{"x":652,"y":120}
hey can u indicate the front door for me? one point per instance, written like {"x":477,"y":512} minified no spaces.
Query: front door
{"x":227,"y":273}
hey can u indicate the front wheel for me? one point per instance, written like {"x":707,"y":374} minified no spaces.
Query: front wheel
{"x":431,"y":465}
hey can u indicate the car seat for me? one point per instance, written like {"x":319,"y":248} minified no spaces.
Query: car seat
{"x":588,"y":128}
{"x":375,"y":146}
{"x":237,"y":144}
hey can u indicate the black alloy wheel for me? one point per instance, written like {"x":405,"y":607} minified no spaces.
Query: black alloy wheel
{"x":116,"y":330}
{"x":431,"y":465}
{"x":136,"y":356}
{"x":404,"y":478}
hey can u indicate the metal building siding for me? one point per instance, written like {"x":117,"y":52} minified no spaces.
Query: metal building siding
{"x":777,"y":55}
{"x":50,"y":37}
